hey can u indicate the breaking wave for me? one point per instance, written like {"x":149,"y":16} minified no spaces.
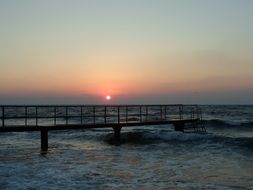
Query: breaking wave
{"x":172,"y":137}
{"x":228,"y":123}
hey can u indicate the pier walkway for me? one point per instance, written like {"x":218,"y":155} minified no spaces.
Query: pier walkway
{"x":43,"y":118}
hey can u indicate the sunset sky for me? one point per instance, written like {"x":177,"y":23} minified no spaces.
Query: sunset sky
{"x":136,"y":51}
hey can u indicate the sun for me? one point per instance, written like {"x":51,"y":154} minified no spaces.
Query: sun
{"x":108,"y":97}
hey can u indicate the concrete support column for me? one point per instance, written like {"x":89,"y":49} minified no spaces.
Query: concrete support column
{"x":117,"y":132}
{"x":179,"y":126}
{"x":44,"y":139}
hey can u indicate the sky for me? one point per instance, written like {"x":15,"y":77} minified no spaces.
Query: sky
{"x":136,"y":51}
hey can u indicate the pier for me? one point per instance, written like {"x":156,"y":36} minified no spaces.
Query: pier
{"x":44,"y":118}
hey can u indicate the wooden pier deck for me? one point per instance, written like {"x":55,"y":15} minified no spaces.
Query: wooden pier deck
{"x":44,"y":118}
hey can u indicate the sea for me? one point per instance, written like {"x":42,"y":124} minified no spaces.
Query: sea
{"x":151,"y":157}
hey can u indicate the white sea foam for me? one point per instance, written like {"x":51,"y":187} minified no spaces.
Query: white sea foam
{"x":173,"y":135}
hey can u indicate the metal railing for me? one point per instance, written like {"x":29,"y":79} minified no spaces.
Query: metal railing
{"x":52,"y":115}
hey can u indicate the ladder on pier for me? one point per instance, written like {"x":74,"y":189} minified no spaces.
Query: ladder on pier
{"x":197,"y":126}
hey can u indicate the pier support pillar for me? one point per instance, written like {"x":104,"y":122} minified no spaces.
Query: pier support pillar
{"x":44,"y":140}
{"x":179,"y":126}
{"x":117,"y":132}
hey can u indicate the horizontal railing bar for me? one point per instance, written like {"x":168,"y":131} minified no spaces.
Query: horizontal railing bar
{"x":63,"y":117}
{"x":60,"y":117}
{"x":98,"y":105}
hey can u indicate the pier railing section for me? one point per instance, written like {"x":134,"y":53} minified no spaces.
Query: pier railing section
{"x":53,"y":115}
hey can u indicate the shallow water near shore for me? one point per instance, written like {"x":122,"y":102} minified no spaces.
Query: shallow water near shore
{"x":154,"y":157}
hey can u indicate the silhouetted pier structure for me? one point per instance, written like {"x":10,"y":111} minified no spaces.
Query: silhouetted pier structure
{"x":44,"y":118}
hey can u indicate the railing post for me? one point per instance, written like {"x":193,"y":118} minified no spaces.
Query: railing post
{"x":55,"y":115}
{"x":199,"y":113}
{"x":67,"y":122}
{"x":118,"y":115}
{"x":146,"y":113}
{"x":192,"y":113}
{"x":179,"y":112}
{"x":2,"y":116}
{"x":165,"y":112}
{"x":161,"y":112}
{"x":126,"y":114}
{"x":182,"y":111}
{"x":140,"y":113}
{"x":25,"y":115}
{"x":94,"y":115}
{"x":36,"y":115}
{"x":81,"y":115}
{"x":105,"y":114}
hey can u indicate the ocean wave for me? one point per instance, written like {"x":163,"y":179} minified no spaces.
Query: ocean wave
{"x":149,"y":137}
{"x":228,"y":123}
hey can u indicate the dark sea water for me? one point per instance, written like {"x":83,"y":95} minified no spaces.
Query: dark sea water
{"x":153,"y":157}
